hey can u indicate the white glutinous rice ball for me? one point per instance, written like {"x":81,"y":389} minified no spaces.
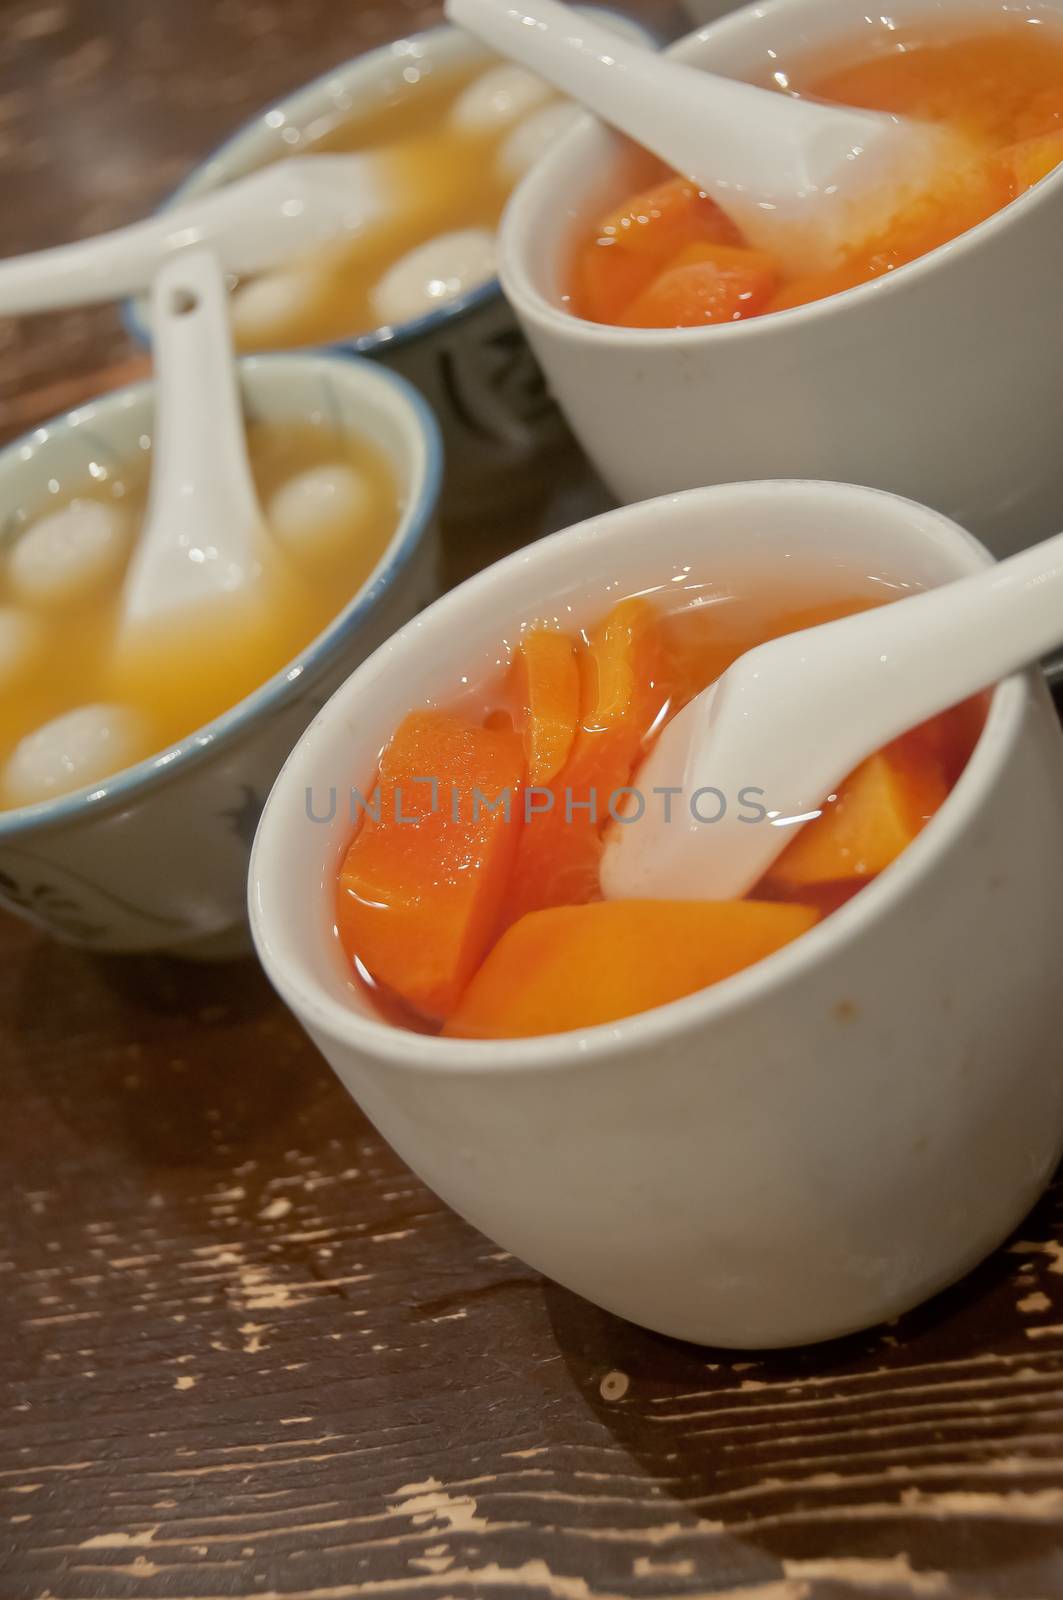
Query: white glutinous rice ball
{"x":521,"y":149}
{"x":440,"y":270}
{"x":319,"y":512}
{"x":69,"y":554}
{"x":262,"y":308}
{"x":20,"y":641}
{"x":75,"y":749}
{"x":496,"y":98}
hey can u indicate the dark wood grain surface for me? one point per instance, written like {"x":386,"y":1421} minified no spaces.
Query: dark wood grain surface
{"x":244,"y":1352}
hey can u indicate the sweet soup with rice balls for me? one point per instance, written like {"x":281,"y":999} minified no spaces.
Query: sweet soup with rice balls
{"x":452,"y":142}
{"x":80,"y":700}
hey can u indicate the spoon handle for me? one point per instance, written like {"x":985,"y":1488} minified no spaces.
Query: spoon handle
{"x":908,"y":661}
{"x":974,"y":632}
{"x":106,"y":267}
{"x":200,"y":449}
{"x":251,"y":224}
{"x":203,"y":533}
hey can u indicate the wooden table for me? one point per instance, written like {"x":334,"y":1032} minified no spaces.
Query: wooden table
{"x":245,"y":1351}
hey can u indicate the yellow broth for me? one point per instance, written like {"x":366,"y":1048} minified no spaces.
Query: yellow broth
{"x":180,"y":675}
{"x":445,"y":178}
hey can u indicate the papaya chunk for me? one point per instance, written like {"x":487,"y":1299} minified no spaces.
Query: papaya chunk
{"x":661,"y":220}
{"x":633,"y":244}
{"x":959,"y":200}
{"x":812,"y":286}
{"x":626,"y":685}
{"x":946,"y":740}
{"x":545,"y":683}
{"x":608,"y":278}
{"x":576,"y":967}
{"x":1042,"y":113}
{"x":1026,"y":163}
{"x":705,"y":283}
{"x":879,"y":810}
{"x":420,"y":889}
{"x":627,"y":677}
{"x":824,"y":898}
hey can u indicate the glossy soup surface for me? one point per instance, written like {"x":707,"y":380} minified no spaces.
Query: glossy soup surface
{"x":667,"y":256}
{"x":61,"y":645}
{"x":487,"y":924}
{"x":451,"y":143}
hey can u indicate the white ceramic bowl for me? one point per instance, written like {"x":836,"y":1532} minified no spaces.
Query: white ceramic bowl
{"x":155,"y":858}
{"x":939,"y":381}
{"x":813,"y":1145}
{"x":468,"y":358}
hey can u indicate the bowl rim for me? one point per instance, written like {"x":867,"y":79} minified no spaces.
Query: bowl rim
{"x":402,"y":1048}
{"x":526,"y":200}
{"x":130,"y":783}
{"x":387,"y":336}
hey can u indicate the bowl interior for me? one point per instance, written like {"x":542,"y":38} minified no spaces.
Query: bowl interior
{"x":351,"y":396}
{"x":802,"y":540}
{"x":586,"y":172}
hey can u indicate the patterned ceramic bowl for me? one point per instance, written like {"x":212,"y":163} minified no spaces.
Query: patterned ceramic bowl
{"x":469,"y":358}
{"x":155,"y":858}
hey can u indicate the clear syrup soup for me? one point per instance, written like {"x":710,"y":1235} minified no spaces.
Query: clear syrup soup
{"x":451,"y":142}
{"x":80,"y":697}
{"x":478,"y":919}
{"x":666,"y":256}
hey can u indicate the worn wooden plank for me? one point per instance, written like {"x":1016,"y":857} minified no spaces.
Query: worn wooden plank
{"x":248,"y":1353}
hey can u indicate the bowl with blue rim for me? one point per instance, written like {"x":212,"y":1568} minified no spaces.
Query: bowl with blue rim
{"x":154,"y":857}
{"x":467,"y":355}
